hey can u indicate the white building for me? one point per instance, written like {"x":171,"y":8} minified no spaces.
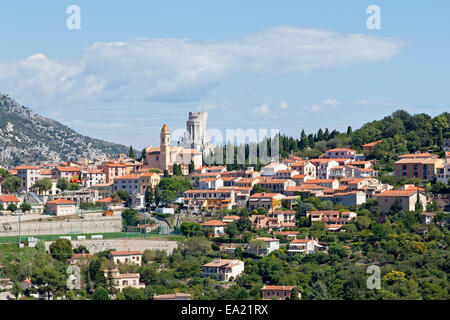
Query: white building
{"x":29,"y":176}
{"x":272,"y":168}
{"x":302,"y":246}
{"x":268,"y":245}
{"x":223,"y":269}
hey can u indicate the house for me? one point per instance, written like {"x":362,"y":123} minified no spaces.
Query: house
{"x":340,"y":153}
{"x":259,"y":221}
{"x":272,"y":168}
{"x":29,"y":176}
{"x":8,"y":199}
{"x":324,"y":166}
{"x":286,"y":174}
{"x":280,"y":292}
{"x":443,"y":172}
{"x":93,"y":177}
{"x":280,"y":220}
{"x":277,"y":185}
{"x":305,"y":167}
{"x":60,"y":207}
{"x":211,"y":183}
{"x":196,"y":200}
{"x":264,"y":200}
{"x":136,"y":183}
{"x":262,"y":246}
{"x":173,"y":296}
{"x":124,"y":280}
{"x":302,"y":246}
{"x":68,"y":173}
{"x":332,"y":218}
{"x":104,"y":189}
{"x":351,"y":198}
{"x":126,"y":257}
{"x":406,"y":198}
{"x":418,"y":165}
{"x":217,"y":227}
{"x":223,"y":269}
{"x":113,"y":170}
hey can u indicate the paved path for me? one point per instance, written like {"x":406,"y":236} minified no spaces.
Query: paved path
{"x":165,"y":228}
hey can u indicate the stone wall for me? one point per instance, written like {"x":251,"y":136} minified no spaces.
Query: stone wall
{"x":94,"y":224}
{"x":124,"y":244}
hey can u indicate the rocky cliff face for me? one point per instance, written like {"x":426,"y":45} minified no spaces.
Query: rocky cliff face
{"x":28,"y":138}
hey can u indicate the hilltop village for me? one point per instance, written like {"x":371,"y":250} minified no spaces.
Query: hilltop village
{"x":300,"y":227}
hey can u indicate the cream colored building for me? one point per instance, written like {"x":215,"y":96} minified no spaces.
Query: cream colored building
{"x":223,"y":269}
{"x":407,"y":199}
{"x":60,"y":207}
{"x":126,"y":257}
{"x":123,"y":280}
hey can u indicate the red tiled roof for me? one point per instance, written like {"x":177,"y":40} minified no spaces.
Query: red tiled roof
{"x":61,"y":201}
{"x":125,"y":253}
{"x":9,"y":198}
{"x":213,"y":223}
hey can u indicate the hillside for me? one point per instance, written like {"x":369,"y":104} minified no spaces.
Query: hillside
{"x":28,"y":138}
{"x":400,"y":133}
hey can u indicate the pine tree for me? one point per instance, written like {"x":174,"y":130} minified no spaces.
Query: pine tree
{"x":157,"y":195}
{"x":349,"y":131}
{"x":326,"y":134}
{"x":191,"y":167}
{"x":320,"y":135}
{"x":131,"y":153}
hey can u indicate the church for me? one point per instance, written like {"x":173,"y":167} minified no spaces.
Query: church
{"x":165,"y":156}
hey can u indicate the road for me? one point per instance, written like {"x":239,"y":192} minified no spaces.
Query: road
{"x":165,"y":228}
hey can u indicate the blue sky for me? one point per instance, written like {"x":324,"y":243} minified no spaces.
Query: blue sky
{"x":287,"y":65}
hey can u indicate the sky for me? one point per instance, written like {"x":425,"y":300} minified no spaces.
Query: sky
{"x":288,"y":65}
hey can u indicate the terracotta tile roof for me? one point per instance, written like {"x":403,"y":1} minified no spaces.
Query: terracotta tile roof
{"x":68,"y":169}
{"x":417,"y":155}
{"x":221,"y":263}
{"x":287,"y":288}
{"x":9,"y":198}
{"x":371,"y":144}
{"x":213,"y":223}
{"x":60,"y":201}
{"x":231,"y":217}
{"x":397,"y":193}
{"x":317,"y":181}
{"x":340,"y":149}
{"x":264,"y":195}
{"x":26,"y":168}
{"x":125,"y":253}
{"x":301,"y":240}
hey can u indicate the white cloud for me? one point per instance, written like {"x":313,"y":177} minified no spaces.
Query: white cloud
{"x":183,"y":70}
{"x":331,"y":102}
{"x":262,"y":110}
{"x":283,"y":105}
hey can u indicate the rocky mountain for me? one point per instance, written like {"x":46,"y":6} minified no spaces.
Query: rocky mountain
{"x":28,"y":138}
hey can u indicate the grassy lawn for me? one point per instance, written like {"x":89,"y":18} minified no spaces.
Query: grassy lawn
{"x":110,"y":235}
